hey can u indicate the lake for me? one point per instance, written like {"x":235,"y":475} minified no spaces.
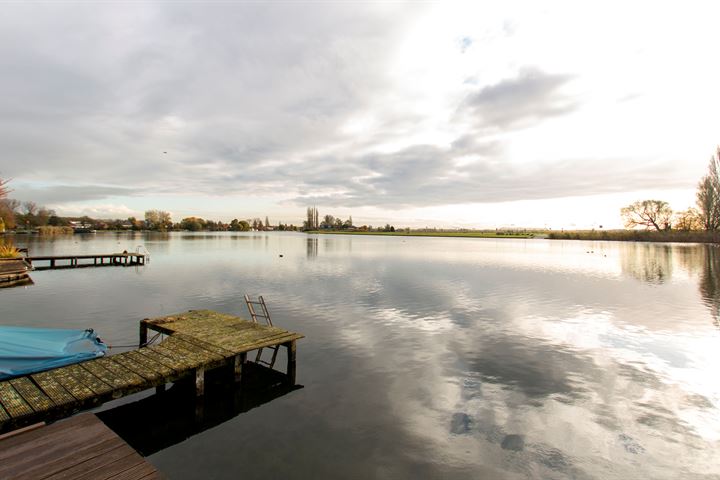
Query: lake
{"x":425,"y":357}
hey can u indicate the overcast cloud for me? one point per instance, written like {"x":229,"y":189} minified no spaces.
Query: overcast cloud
{"x":384,"y":107}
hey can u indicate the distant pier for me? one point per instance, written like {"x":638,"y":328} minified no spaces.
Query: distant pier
{"x":52,"y":262}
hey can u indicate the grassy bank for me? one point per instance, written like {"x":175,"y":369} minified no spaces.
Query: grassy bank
{"x":638,"y":236}
{"x":50,"y":230}
{"x":411,"y":233}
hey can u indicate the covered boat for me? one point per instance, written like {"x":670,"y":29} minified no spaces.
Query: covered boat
{"x":25,"y":350}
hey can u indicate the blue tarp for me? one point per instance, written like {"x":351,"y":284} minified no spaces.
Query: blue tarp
{"x":27,"y":350}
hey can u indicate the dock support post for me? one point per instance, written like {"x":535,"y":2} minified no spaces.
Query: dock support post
{"x":199,"y":382}
{"x":291,"y":368}
{"x":143,"y":332}
{"x":239,"y":362}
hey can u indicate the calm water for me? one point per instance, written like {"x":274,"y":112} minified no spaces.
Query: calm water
{"x":429,"y":358}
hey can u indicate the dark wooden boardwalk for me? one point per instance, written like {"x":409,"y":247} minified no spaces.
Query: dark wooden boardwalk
{"x":14,"y":271}
{"x":198,"y":341}
{"x":50,"y":262}
{"x":81,"y":447}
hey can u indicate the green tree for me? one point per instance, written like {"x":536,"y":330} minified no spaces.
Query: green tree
{"x":708,"y":194}
{"x":328,"y":221}
{"x":647,"y":213}
{"x":194,"y":224}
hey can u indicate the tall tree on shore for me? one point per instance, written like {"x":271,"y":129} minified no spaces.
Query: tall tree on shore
{"x":647,"y":213}
{"x":708,"y":194}
{"x":157,"y":220}
{"x":313,"y":218}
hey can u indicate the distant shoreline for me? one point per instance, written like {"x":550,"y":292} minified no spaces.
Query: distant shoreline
{"x":671,"y":236}
{"x":427,"y":234}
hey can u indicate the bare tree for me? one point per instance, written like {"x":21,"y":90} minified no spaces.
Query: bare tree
{"x":647,"y":213}
{"x":708,"y":194}
{"x":30,"y":208}
{"x":4,"y":190}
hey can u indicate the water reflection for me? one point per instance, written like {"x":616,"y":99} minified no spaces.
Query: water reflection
{"x":433,"y":358}
{"x":312,"y":248}
{"x":651,"y":263}
{"x":165,"y":419}
{"x":710,"y":282}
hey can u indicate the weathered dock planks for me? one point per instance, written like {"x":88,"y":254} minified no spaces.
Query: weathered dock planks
{"x":14,"y":271}
{"x":197,"y":341}
{"x":77,"y":448}
{"x":52,"y":262}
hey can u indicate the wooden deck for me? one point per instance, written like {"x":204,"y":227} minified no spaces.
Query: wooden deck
{"x":81,"y":447}
{"x":51,"y":262}
{"x":198,"y":341}
{"x":14,"y":271}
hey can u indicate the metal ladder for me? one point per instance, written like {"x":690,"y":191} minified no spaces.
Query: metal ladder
{"x":147,"y":252}
{"x":268,"y":321}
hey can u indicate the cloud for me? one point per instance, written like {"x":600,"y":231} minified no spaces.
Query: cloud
{"x":54,"y":194}
{"x":526,"y":99}
{"x":428,"y":175}
{"x":97,"y":94}
{"x":344,"y":105}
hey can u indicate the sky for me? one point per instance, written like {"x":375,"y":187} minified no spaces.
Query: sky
{"x":447,"y":114}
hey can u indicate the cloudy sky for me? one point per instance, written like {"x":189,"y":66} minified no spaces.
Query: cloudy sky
{"x":441,"y":114}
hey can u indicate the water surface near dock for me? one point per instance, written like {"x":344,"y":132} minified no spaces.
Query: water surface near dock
{"x":431,"y":357}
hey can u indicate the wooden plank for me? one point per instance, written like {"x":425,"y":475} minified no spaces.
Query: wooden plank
{"x":158,"y":357}
{"x":12,"y":401}
{"x":205,"y":345}
{"x":135,"y":367}
{"x":176,"y":361}
{"x":95,"y":466}
{"x":56,"y":392}
{"x":88,"y":379}
{"x":128,"y":377}
{"x":137,"y":472}
{"x":81,"y":447}
{"x":35,"y":397}
{"x":63,"y":377}
{"x":16,"y":448}
{"x":141,"y":359}
{"x":192,"y":351}
{"x":111,"y":378}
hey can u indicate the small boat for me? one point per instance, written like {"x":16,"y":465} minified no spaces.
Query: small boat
{"x":25,"y":350}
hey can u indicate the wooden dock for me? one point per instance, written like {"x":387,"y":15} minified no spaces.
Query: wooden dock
{"x":81,"y":447}
{"x":14,"y":271}
{"x":50,"y":262}
{"x":198,"y":341}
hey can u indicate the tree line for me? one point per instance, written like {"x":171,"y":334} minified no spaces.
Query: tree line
{"x":330,"y":222}
{"x":657,"y":214}
{"x":16,"y":215}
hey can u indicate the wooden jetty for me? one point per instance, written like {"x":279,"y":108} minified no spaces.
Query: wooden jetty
{"x":81,"y":447}
{"x":14,"y":271}
{"x":124,"y":259}
{"x":198,"y":341}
